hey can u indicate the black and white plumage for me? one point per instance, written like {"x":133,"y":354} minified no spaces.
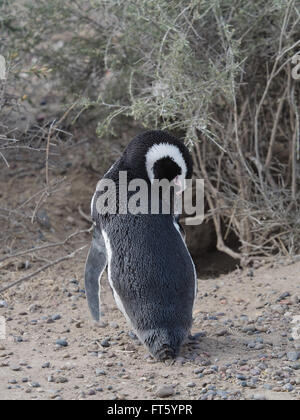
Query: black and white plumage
{"x":150,"y":270}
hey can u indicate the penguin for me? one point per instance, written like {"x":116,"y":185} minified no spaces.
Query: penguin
{"x":150,"y":270}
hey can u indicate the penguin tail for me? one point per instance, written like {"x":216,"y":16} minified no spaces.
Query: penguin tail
{"x":163,"y":343}
{"x":165,"y":352}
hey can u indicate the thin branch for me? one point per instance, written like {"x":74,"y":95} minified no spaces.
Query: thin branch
{"x":42,"y":247}
{"x":47,"y":153}
{"x":4,"y":158}
{"x":51,"y":264}
{"x":84,"y":215}
{"x":274,"y":130}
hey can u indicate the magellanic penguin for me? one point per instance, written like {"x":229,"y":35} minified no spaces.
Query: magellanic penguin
{"x":150,"y":270}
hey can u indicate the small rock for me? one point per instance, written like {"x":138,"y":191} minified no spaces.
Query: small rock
{"x":34,"y":384}
{"x":293,"y":356}
{"x":284,"y":295}
{"x":278,"y":308}
{"x":288,"y":387}
{"x":3,"y":304}
{"x":46,"y":365}
{"x":15,"y":368}
{"x":13,"y":382}
{"x":165,"y":391}
{"x":61,"y":380}
{"x":92,"y":392}
{"x":34,"y":308}
{"x":259,"y":397}
{"x":100,"y":372}
{"x":105,"y":343}
{"x":62,"y":343}
{"x":221,"y":333}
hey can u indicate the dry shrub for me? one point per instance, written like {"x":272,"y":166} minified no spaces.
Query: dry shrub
{"x":218,"y":72}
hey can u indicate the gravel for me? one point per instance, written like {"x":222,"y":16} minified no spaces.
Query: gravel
{"x":236,"y":352}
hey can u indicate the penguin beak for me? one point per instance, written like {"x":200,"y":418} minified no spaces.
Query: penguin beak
{"x":178,"y":183}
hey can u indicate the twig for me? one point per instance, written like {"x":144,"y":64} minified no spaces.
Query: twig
{"x":83,"y":215}
{"x":53,"y":127}
{"x":274,"y":130}
{"x":51,"y":264}
{"x":4,"y":158}
{"x":42,"y":247}
{"x":47,"y":153}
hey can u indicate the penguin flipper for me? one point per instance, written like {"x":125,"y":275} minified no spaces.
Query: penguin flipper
{"x":179,"y":226}
{"x":95,"y":265}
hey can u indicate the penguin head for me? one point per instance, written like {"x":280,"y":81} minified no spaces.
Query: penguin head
{"x":158,"y":155}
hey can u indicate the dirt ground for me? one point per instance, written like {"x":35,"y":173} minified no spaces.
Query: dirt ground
{"x":86,"y":369}
{"x":245,"y":343}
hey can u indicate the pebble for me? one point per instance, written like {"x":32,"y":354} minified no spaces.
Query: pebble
{"x":35,"y":384}
{"x":62,"y":343}
{"x":278,"y":308}
{"x":288,"y":387}
{"x":34,"y":308}
{"x":15,"y":368}
{"x":61,"y":380}
{"x":46,"y":365}
{"x":259,"y":397}
{"x":100,"y":372}
{"x":105,"y":343}
{"x":284,"y":295}
{"x":165,"y":391}
{"x":91,"y":392}
{"x":293,"y":356}
{"x":221,"y":333}
{"x":259,"y":346}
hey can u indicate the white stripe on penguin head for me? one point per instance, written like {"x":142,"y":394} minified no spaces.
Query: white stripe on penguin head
{"x":162,"y":150}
